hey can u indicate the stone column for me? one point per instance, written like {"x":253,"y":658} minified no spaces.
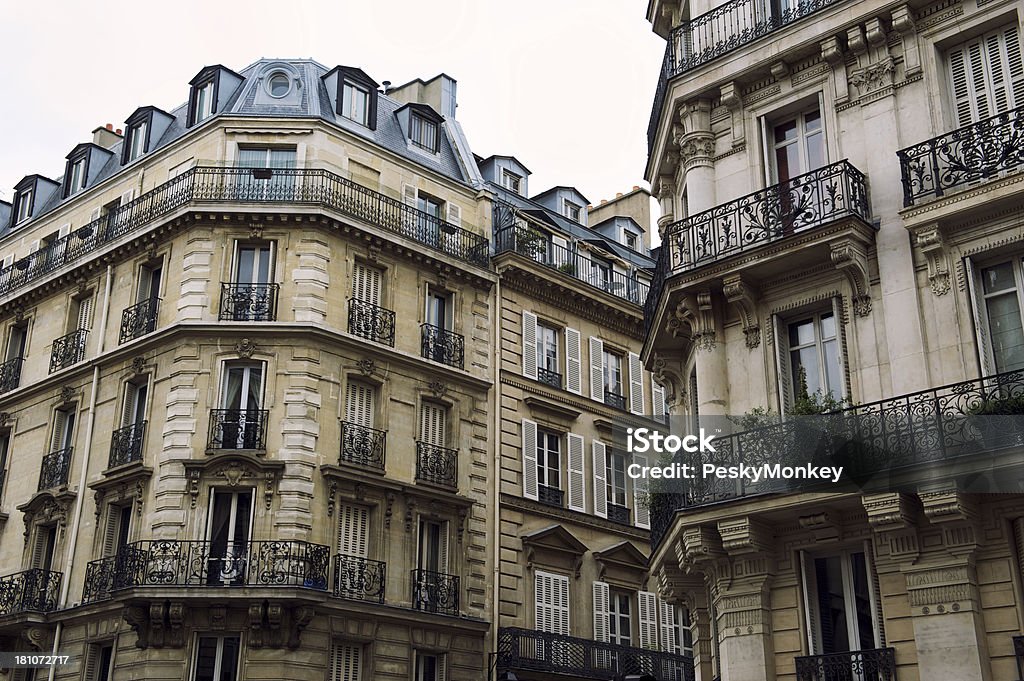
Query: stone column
{"x":702,"y":312}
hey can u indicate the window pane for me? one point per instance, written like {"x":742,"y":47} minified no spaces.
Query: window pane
{"x":801,"y":333}
{"x":815,"y":151}
{"x":998,"y":278}
{"x":206,"y":658}
{"x":1005,"y":330}
{"x":828,"y":326}
{"x":861,"y":594}
{"x":832,"y":375}
{"x":812,"y":121}
{"x":831,"y":605}
{"x":807,"y":360}
{"x":785,"y":132}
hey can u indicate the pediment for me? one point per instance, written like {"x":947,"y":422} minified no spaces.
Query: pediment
{"x":623,"y":564}
{"x":553,"y":547}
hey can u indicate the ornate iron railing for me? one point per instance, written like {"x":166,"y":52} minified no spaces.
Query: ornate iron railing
{"x":359,"y":579}
{"x":248,"y":302}
{"x":719,"y":31}
{"x":614,"y":400}
{"x":54,"y":469}
{"x":552,"y":496}
{"x":138,"y":320}
{"x":371,"y":322}
{"x":238,"y":428}
{"x":979,"y":152}
{"x":172,"y":562}
{"x":1018,"y":650}
{"x":34,"y":590}
{"x":618,"y":514}
{"x":657,"y":286}
{"x":568,"y":261}
{"x":435,"y":592}
{"x":859,"y":665}
{"x":126,"y":444}
{"x":552,"y":378}
{"x":437,"y":465}
{"x":203,"y":185}
{"x":10,"y":374}
{"x":363,"y":445}
{"x":538,"y":651}
{"x":68,"y":350}
{"x":442,"y":345}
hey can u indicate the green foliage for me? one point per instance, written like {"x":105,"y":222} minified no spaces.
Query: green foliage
{"x":567,"y":268}
{"x":815,"y":403}
{"x":758,"y":417}
{"x":999,"y":406}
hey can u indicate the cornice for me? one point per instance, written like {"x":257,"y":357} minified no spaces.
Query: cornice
{"x":559,"y":514}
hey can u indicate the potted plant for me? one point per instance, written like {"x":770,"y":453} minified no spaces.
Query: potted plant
{"x":567,"y":268}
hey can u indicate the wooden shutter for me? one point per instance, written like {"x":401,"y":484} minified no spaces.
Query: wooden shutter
{"x":353,"y":530}
{"x":442,"y":667}
{"x":529,"y":345}
{"x":111,"y":530}
{"x":600,"y":491}
{"x":529,"y":459}
{"x":986,"y":361}
{"x":601,"y":607}
{"x":85,"y":313}
{"x":573,"y":362}
{"x":669,"y":641}
{"x":64,"y":230}
{"x":657,"y":401}
{"x":551,"y":603}
{"x":577,"y":479}
{"x":39,"y":546}
{"x":782,"y":369}
{"x":987,"y":76}
{"x":641,"y":503}
{"x":92,"y":663}
{"x":1002,"y":49}
{"x":442,"y":547}
{"x":131,"y":394}
{"x":648,"y":609}
{"x":454,"y":214}
{"x":410,"y":195}
{"x":359,"y":404}
{"x":596,"y":369}
{"x":60,"y":427}
{"x":95,"y":214}
{"x":433,"y":426}
{"x":346,"y":662}
{"x":33,"y":246}
{"x":636,"y":384}
{"x":8,"y":260}
{"x":366,"y":284}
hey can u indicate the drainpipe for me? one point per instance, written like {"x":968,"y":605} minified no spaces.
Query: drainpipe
{"x":496,"y":473}
{"x":72,"y":544}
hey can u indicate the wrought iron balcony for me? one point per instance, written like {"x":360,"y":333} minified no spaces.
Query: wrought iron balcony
{"x":614,"y":400}
{"x":238,"y":428}
{"x":68,"y":350}
{"x":441,"y":345}
{"x":126,"y":444}
{"x":171,"y":562}
{"x":371,"y":322}
{"x":34,"y":590}
{"x":363,"y":445}
{"x":538,"y":651}
{"x":359,"y":579}
{"x":435,"y":592}
{"x":437,"y":465}
{"x":975,"y":153}
{"x":54,"y":469}
{"x":552,"y":496}
{"x":509,"y":236}
{"x":248,"y":302}
{"x":866,"y":665}
{"x":618,"y":514}
{"x":138,"y":320}
{"x":719,"y":31}
{"x":10,"y":374}
{"x":552,"y":378}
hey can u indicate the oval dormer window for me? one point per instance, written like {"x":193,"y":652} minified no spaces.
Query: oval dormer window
{"x":279,"y":84}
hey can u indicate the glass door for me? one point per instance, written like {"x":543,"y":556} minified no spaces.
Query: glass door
{"x":252,"y":295}
{"x":242,"y":396}
{"x":228,"y":534}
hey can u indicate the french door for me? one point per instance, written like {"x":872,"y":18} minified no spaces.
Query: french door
{"x":242,"y":396}
{"x":227,"y":534}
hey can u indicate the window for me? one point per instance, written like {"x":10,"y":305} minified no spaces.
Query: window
{"x":133,"y":410}
{"x":266,"y":157}
{"x":600,"y":273}
{"x":423,"y":132}
{"x":117,"y":529}
{"x":433,"y":546}
{"x":240,"y":423}
{"x":99,"y":663}
{"x":551,"y":603}
{"x":986,"y":75}
{"x":279,"y":85}
{"x":149,"y":281}
{"x":549,"y":472}
{"x":355,"y":103}
{"x":63,"y":436}
{"x":359,"y":401}
{"x":76,"y":179}
{"x":44,"y":547}
{"x":17,"y":341}
{"x":619,"y":618}
{"x":431,"y":667}
{"x":631,"y":241}
{"x":252,"y":294}
{"x":203,"y":107}
{"x":612,"y":374}
{"x":24,"y":209}
{"x":798,"y":146}
{"x":433,"y":424}
{"x":5,"y":447}
{"x":227,"y":530}
{"x":841,"y":608}
{"x":999,"y":292}
{"x":137,"y":141}
{"x":511,"y":181}
{"x":216,"y":658}
{"x":80,"y":313}
{"x":346,"y":662}
{"x":571,"y":210}
{"x":616,"y":477}
{"x":814,"y":356}
{"x":439,"y":309}
{"x":547,"y":356}
{"x":353,"y":530}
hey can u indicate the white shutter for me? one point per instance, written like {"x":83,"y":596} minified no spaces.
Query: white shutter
{"x":601,"y":607}
{"x":60,"y":426}
{"x":366,"y":284}
{"x":353,"y":530}
{"x":669,"y":642}
{"x":39,"y":546}
{"x":641,"y":507}
{"x":359,"y":404}
{"x":454,"y":214}
{"x":529,"y":345}
{"x":551,"y":602}
{"x":85,"y":313}
{"x":657,"y":400}
{"x":636,"y":384}
{"x":987,"y":75}
{"x":131,"y":395}
{"x":1003,"y":52}
{"x":981,"y":335}
{"x":573,"y":362}
{"x":442,"y":667}
{"x":111,"y":529}
{"x":432,"y":424}
{"x":577,"y":479}
{"x":33,"y":247}
{"x":91,"y":662}
{"x":648,"y":607}
{"x":127,"y":197}
{"x":410,"y":195}
{"x":596,"y":369}
{"x":600,"y":491}
{"x":529,"y":459}
{"x":782,"y":368}
{"x":442,"y":547}
{"x":8,"y":260}
{"x":346,"y":661}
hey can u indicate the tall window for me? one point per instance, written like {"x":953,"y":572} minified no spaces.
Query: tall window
{"x":63,"y":429}
{"x":227,"y":532}
{"x":549,"y":447}
{"x":430,"y":667}
{"x":433,"y":424}
{"x":44,"y":547}
{"x":814,"y":356}
{"x":359,"y":401}
{"x":433,"y":546}
{"x":24,"y":209}
{"x":117,"y":529}
{"x":439,"y":308}
{"x":137,"y":140}
{"x":346,"y":662}
{"x":547,"y":356}
{"x":99,"y":665}
{"x":17,"y":341}
{"x":355,"y":103}
{"x":204,"y":102}
{"x":511,"y":181}
{"x":619,"y":618}
{"x":216,"y":658}
{"x":5,"y":448}
{"x":841,"y":607}
{"x":999,"y":288}
{"x":631,"y":241}
{"x":600,"y":273}
{"x":615,"y":479}
{"x":987,"y":75}
{"x":612,"y":373}
{"x":798,"y":145}
{"x":423,"y":132}
{"x":240,"y":420}
{"x":551,"y":603}
{"x":77,"y":179}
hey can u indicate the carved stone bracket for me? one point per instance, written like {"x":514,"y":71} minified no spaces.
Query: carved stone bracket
{"x":850,"y":258}
{"x":366,"y":366}
{"x":822,"y":526}
{"x":245,"y":348}
{"x":956,"y":514}
{"x":832,"y":53}
{"x":903,"y":22}
{"x":742,"y":536}
{"x":37,"y":638}
{"x":890,"y":515}
{"x":732,"y":99}
{"x":160,"y":625}
{"x":332,"y":498}
{"x":273,"y":625}
{"x":938,"y":589}
{"x":930,"y":241}
{"x":741,"y":295}
{"x":700,"y":314}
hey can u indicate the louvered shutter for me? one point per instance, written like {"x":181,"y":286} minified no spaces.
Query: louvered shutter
{"x":410,"y":195}
{"x":346,"y":662}
{"x":8,"y":260}
{"x":596,"y":369}
{"x":600,"y":491}
{"x":39,"y":546}
{"x":529,"y":345}
{"x":641,"y":503}
{"x":543,"y":598}
{"x":529,"y":459}
{"x":657,"y":401}
{"x":577,"y":479}
{"x":442,"y":547}
{"x":33,"y":246}
{"x":667,"y":613}
{"x":85,"y":313}
{"x":636,"y":384}
{"x":987,"y":75}
{"x":573,"y":362}
{"x":601,"y":607}
{"x":442,"y":667}
{"x":131,"y":394}
{"x":454,"y":214}
{"x":366,"y":284}
{"x":782,"y":368}
{"x":359,"y":404}
{"x":127,"y":197}
{"x":111,"y":530}
{"x":432,"y":424}
{"x":353,"y":530}
{"x":981,"y":334}
{"x":1004,"y":59}
{"x":92,"y":662}
{"x":648,"y":609}
{"x":60,"y":430}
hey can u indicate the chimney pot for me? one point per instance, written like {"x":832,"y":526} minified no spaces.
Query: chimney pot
{"x":110,"y":126}
{"x":604,"y":201}
{"x":636,"y":187}
{"x":618,"y":194}
{"x":118,"y":132}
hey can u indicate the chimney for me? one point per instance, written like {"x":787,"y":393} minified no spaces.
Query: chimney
{"x":105,"y":136}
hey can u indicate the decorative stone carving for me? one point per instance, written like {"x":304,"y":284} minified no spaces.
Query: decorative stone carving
{"x":930,"y":240}
{"x":36,"y":638}
{"x":742,"y":296}
{"x":4,"y":417}
{"x":903,"y":22}
{"x":67,"y":394}
{"x":822,"y":526}
{"x":832,"y":53}
{"x":245,"y":348}
{"x":850,"y":258}
{"x":935,"y":590}
{"x":160,"y":625}
{"x":332,"y":498}
{"x":742,"y":536}
{"x":874,"y":76}
{"x":366,"y":366}
{"x":438,"y":388}
{"x":255,"y":230}
{"x":732,"y":99}
{"x":697,"y":149}
{"x":780,"y":70}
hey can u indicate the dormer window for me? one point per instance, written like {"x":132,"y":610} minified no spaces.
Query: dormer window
{"x":76,"y":179}
{"x":631,"y":241}
{"x":137,"y":140}
{"x":571,"y":210}
{"x":355,"y":103}
{"x":23,"y":211}
{"x":279,"y":84}
{"x":203,"y":107}
{"x":511,"y":181}
{"x":423,"y":132}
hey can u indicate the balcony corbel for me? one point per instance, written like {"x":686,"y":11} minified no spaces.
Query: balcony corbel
{"x":930,"y":241}
{"x":742,"y":296}
{"x":832,"y":53}
{"x":731,"y":98}
{"x":851,"y":259}
{"x":903,"y":23}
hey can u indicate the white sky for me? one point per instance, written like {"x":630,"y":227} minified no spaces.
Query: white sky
{"x":564,"y":85}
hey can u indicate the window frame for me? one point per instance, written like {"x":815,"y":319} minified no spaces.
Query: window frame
{"x":976,"y":272}
{"x":541,"y":343}
{"x":571,"y":207}
{"x":200,"y":112}
{"x":513,"y":182}
{"x":218,"y":671}
{"x":418,"y":125}
{"x":799,"y":117}
{"x":819,"y":342}
{"x":77,"y":174}
{"x":606,"y":371}
{"x":809,"y":588}
{"x":611,"y":456}
{"x":545,"y":437}
{"x":24,"y":205}
{"x":137,"y":142}
{"x":616,"y":597}
{"x":347,"y":86}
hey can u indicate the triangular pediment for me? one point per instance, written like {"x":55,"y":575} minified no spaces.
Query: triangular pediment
{"x":624,"y":553}
{"x":554,"y":538}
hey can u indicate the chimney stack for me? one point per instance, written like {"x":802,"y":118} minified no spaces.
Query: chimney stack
{"x":105,"y":136}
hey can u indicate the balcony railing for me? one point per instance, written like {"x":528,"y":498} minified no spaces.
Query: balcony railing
{"x":618,"y":514}
{"x":33,"y":590}
{"x":435,"y":592}
{"x":238,"y":428}
{"x":172,"y":562}
{"x":363,"y":445}
{"x":248,"y":302}
{"x":371,"y":322}
{"x":359,"y":579}
{"x":204,"y":185}
{"x":437,"y":465}
{"x":10,"y":374}
{"x":552,"y":378}
{"x":614,"y":400}
{"x":873,"y":441}
{"x":568,"y":261}
{"x":441,"y":345}
{"x":126,"y":444}
{"x":552,"y":496}
{"x":54,"y":469}
{"x":138,"y":320}
{"x":723,"y":29}
{"x":537,"y":651}
{"x":857,"y":665}
{"x":975,"y":153}
{"x":68,"y":350}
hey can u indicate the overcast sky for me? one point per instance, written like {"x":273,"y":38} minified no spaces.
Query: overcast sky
{"x":564,"y":85}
